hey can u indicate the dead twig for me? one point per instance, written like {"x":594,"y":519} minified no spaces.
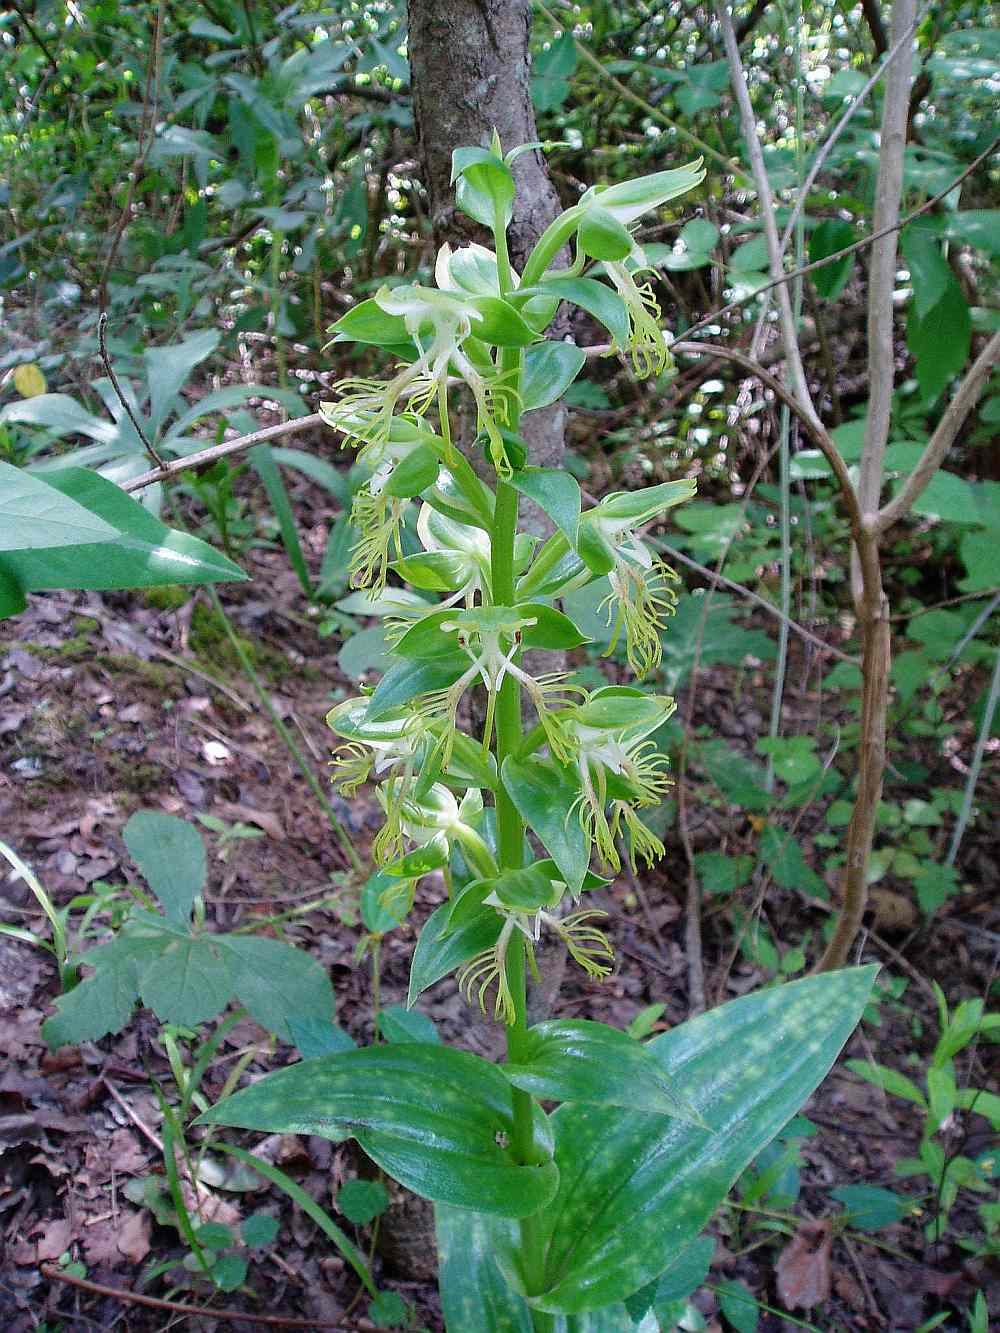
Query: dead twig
{"x":179,"y":1307}
{"x":102,"y":343}
{"x":136,"y":1119}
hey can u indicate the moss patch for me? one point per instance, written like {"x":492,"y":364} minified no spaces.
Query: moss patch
{"x":212,"y":645}
{"x":167,"y":599}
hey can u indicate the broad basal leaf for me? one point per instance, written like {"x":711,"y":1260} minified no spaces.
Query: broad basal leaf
{"x":436,"y":1119}
{"x":635,"y":1189}
{"x":580,"y":1061}
{"x":476,"y":1297}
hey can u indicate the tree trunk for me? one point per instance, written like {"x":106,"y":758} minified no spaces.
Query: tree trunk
{"x":470,"y":75}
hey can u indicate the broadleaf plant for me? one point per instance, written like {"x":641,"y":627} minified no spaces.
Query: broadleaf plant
{"x":527,"y":818}
{"x":170,"y":963}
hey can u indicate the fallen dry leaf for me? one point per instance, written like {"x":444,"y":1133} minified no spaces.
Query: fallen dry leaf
{"x":11,"y":718}
{"x":270,"y":823}
{"x":54,"y":1239}
{"x":133,"y":1235}
{"x":99,"y":1242}
{"x":136,"y":713}
{"x":803,"y":1267}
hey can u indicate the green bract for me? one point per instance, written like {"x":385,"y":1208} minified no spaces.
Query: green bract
{"x":509,"y":784}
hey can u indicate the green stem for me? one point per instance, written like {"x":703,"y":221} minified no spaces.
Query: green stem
{"x":376,"y":952}
{"x":281,"y":359}
{"x":510,"y":828}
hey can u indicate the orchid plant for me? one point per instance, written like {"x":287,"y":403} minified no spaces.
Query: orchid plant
{"x":576,"y":1216}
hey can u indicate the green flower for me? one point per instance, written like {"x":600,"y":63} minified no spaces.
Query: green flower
{"x":438,"y":322}
{"x":642,"y":595}
{"x":378,"y":508}
{"x":436,"y":817}
{"x":647,"y":344}
{"x":405,"y":746}
{"x":491,"y":639}
{"x":528,"y":900}
{"x":617,"y":763}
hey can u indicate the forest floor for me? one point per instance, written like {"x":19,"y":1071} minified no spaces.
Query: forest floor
{"x":109,"y":704}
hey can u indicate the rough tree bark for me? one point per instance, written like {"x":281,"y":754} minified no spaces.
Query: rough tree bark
{"x":470,"y":74}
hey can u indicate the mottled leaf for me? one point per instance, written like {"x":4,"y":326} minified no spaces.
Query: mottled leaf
{"x":666,"y":1176}
{"x":580,"y":1061}
{"x":436,"y":1119}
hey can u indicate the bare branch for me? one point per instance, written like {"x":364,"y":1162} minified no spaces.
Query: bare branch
{"x":852,"y":249}
{"x":813,"y":426}
{"x":790,"y":336}
{"x":750,"y":596}
{"x":882,"y":271}
{"x":965,"y":399}
{"x":903,"y":41}
{"x":169,"y":470}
